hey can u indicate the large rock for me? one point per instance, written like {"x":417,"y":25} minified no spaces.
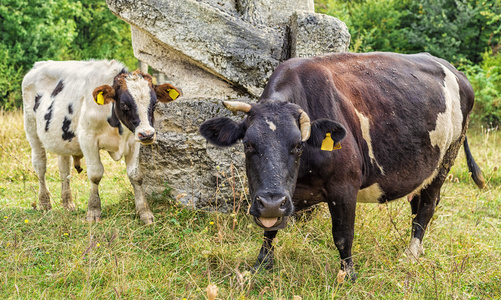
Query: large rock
{"x":215,"y":50}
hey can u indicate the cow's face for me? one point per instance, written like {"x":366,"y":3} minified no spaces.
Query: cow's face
{"x":274,"y":135}
{"x":135,"y":98}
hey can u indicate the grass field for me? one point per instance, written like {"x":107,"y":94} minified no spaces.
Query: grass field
{"x":57,"y":255}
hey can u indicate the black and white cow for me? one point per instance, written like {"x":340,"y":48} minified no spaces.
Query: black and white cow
{"x":77,"y":108}
{"x":347,"y":128}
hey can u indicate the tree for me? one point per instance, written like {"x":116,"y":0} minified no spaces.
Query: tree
{"x":35,"y":30}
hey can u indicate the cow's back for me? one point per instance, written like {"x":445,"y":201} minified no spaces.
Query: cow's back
{"x":57,"y":93}
{"x":403,"y":112}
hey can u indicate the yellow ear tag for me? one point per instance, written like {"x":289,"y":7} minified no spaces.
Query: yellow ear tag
{"x":173,"y":94}
{"x":100,"y":98}
{"x":327,"y":143}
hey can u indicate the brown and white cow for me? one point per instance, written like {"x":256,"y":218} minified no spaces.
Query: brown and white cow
{"x":347,"y":128}
{"x":77,"y":108}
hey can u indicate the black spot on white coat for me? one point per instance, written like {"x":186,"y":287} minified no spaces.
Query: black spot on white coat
{"x":48,"y":116}
{"x":37,"y":102}
{"x":115,"y":122}
{"x":59,"y":87}
{"x":67,"y":133}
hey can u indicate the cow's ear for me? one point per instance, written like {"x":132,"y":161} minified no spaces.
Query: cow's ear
{"x":322,"y":130}
{"x":104,"y":94}
{"x":222,"y":131}
{"x":166,"y":93}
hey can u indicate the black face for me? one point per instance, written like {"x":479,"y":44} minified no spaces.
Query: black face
{"x":273,"y":145}
{"x":126,"y":109}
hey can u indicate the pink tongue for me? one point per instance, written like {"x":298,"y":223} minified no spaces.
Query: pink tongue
{"x":268,"y":222}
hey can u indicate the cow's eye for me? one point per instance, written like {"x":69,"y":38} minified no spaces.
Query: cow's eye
{"x":247,"y":147}
{"x":125,"y":107}
{"x":298,"y":149}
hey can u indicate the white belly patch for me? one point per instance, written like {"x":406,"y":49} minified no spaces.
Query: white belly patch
{"x":370,"y":194}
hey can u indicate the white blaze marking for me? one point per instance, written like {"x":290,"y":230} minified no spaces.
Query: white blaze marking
{"x":273,"y":127}
{"x":370,"y":194}
{"x":365,"y":127}
{"x":448,"y":125}
{"x":139,"y":90}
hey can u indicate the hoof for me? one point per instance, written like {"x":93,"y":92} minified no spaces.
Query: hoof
{"x":93,"y":216}
{"x":44,"y":200}
{"x":93,"y":219}
{"x":262,"y":265}
{"x":46,"y":206}
{"x":69,"y":206}
{"x":349,"y":273}
{"x":414,"y":251}
{"x":147,"y":218}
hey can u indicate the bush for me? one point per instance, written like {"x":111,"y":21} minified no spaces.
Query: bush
{"x":486,"y":81}
{"x":10,"y":81}
{"x":35,"y":30}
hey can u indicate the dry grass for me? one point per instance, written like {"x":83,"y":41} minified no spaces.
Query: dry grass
{"x":55,"y":255}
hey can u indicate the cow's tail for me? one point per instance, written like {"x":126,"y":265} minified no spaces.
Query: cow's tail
{"x":476,"y":173}
{"x":76,"y":163}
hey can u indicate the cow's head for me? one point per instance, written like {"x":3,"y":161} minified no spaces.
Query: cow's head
{"x":135,"y":97}
{"x":274,"y":134}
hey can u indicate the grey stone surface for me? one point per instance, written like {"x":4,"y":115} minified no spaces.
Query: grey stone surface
{"x":215,"y":50}
{"x":222,"y":44}
{"x":314,"y":34}
{"x":200,"y":174}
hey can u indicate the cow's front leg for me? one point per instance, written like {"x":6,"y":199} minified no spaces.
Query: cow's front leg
{"x":343,"y":229}
{"x":64,"y":163}
{"x":95,"y":171}
{"x":136,"y":179}
{"x":265,"y":257}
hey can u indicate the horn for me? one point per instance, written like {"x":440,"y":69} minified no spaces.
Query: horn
{"x":304,"y":125}
{"x":237,"y":106}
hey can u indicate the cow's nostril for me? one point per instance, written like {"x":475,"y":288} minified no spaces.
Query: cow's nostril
{"x":145,"y":136}
{"x":283,"y":203}
{"x":259,"y":202}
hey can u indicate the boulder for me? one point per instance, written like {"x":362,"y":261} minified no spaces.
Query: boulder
{"x":215,"y":50}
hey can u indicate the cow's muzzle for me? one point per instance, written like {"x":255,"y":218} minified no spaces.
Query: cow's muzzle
{"x":146,"y":137}
{"x":270,"y":210}
{"x":271,"y":205}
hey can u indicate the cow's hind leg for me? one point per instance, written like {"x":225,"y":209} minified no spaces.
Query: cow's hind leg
{"x":136,"y":179}
{"x":39,"y":161}
{"x":64,"y":171}
{"x":423,"y":206}
{"x":265,"y":257}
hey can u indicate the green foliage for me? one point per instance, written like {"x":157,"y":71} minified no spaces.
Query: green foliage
{"x":450,"y":29}
{"x":454,"y":29}
{"x":10,"y":80}
{"x":35,"y":30}
{"x":486,"y":81}
{"x":374,"y":25}
{"x":102,"y":35}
